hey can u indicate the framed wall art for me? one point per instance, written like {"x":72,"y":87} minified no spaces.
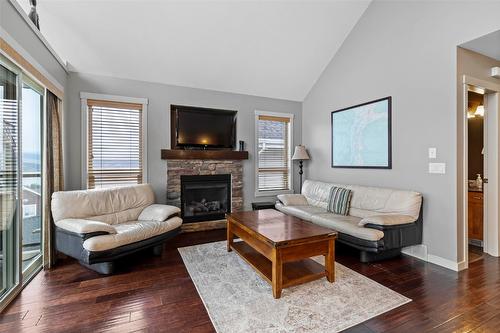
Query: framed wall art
{"x":361,"y":135}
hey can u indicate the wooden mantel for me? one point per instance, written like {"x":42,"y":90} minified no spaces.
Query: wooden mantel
{"x":178,"y":154}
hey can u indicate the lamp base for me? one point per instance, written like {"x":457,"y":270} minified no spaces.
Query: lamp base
{"x":300,"y":175}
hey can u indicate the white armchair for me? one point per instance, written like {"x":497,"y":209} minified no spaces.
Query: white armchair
{"x":99,"y":226}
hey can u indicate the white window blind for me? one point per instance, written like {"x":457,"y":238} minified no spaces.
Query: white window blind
{"x":8,"y":143}
{"x":115,"y":144}
{"x":273,"y":153}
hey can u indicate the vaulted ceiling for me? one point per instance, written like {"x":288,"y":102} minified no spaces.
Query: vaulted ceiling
{"x":267,"y":48}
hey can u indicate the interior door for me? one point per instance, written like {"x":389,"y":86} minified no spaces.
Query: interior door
{"x":491,"y":158}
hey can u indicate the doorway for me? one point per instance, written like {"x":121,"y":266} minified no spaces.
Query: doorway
{"x":481,"y":172}
{"x":476,"y":175}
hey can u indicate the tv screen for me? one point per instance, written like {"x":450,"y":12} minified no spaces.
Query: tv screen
{"x":203,"y":128}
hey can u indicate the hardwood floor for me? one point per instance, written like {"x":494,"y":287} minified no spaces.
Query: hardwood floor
{"x":156,"y":294}
{"x":475,"y":253}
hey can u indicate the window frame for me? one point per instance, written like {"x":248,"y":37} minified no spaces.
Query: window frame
{"x":84,"y":97}
{"x":290,"y":116}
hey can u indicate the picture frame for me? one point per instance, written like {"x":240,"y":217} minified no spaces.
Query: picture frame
{"x":361,"y":135}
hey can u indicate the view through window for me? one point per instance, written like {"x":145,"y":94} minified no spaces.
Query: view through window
{"x":32,"y":99}
{"x":274,"y":153}
{"x":115,"y":144}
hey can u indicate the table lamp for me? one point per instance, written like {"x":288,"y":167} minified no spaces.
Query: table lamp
{"x":300,"y":154}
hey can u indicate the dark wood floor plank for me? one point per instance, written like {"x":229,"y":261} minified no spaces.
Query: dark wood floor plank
{"x":492,"y":325}
{"x":156,"y":294}
{"x":469,"y":320}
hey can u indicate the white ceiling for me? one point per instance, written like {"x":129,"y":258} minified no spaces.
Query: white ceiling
{"x":488,"y":45}
{"x":266,"y":48}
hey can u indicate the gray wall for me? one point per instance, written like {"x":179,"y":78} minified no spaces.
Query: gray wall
{"x":13,"y":24}
{"x":406,"y":50}
{"x":160,"y":97}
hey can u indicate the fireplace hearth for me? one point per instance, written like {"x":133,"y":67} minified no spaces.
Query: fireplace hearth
{"x":205,"y":197}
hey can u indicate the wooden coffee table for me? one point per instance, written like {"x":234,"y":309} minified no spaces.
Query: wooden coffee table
{"x":279,"y":247}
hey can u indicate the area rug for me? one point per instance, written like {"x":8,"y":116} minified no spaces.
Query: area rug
{"x":239,"y":300}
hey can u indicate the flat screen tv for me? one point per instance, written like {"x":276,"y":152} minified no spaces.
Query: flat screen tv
{"x":202,"y":128}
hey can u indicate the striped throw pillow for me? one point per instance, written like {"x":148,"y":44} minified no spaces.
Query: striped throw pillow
{"x":340,"y":200}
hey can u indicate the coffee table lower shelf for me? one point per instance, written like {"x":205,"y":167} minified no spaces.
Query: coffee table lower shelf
{"x":294,"y":273}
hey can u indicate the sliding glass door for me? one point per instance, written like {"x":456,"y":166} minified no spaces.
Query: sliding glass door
{"x":21,"y":123}
{"x":9,"y":180}
{"x":31,"y":194}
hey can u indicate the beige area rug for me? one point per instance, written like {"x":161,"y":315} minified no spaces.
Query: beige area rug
{"x":239,"y":300}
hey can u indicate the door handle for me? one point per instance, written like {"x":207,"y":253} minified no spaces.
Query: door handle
{"x":485,"y":181}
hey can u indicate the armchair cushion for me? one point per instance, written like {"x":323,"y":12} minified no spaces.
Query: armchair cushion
{"x":81,"y":226}
{"x":293,"y":199}
{"x":395,"y":219}
{"x":131,"y":232}
{"x":158,"y":213}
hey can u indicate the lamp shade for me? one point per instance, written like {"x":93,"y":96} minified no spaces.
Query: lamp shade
{"x":479,"y":111}
{"x":300,"y":153}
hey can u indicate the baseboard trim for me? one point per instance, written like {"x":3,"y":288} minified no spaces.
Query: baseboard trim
{"x":420,"y":252}
{"x":416,"y":251}
{"x":440,"y":261}
{"x":463,"y":265}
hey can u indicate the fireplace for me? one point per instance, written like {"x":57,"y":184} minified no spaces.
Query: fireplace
{"x":205,"y":197}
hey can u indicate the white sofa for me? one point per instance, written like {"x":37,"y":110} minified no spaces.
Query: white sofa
{"x":380,"y":222}
{"x":99,"y":226}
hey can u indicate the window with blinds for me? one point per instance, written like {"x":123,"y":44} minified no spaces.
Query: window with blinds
{"x":274,"y":153}
{"x":115,"y":144}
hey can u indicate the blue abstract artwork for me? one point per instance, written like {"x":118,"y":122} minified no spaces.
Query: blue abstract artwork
{"x":361,"y":136}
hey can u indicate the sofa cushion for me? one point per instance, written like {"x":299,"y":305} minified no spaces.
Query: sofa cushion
{"x":158,"y":212}
{"x":302,"y":212}
{"x":111,"y":205}
{"x":367,"y":201}
{"x":340,"y":200}
{"x":80,"y":226}
{"x":347,"y":225}
{"x":387,"y":220}
{"x":317,"y":193}
{"x":293,"y":199}
{"x":131,"y":232}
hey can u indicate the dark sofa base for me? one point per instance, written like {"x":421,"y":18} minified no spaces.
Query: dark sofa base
{"x":105,"y":268}
{"x":369,"y":251}
{"x":395,"y":238}
{"x":104,"y":262}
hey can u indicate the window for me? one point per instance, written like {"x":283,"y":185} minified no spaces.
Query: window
{"x":115,"y":144}
{"x":273,"y":136}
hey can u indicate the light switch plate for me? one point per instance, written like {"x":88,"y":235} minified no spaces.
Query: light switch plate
{"x":432,"y":152}
{"x":437,"y":168}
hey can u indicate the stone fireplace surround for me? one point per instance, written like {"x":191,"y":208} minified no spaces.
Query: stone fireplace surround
{"x":176,"y":168}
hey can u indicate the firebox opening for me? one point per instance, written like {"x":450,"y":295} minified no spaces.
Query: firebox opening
{"x":205,"y":197}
